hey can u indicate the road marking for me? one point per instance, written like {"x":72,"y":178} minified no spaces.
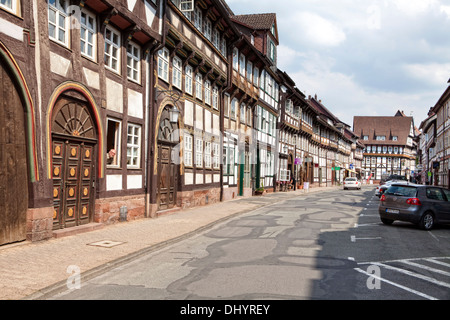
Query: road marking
{"x":421,"y":294}
{"x":354,"y":238}
{"x":366,"y":224}
{"x":413,"y":274}
{"x":429,"y":232}
{"x":426,"y":268}
{"x":438,"y":262}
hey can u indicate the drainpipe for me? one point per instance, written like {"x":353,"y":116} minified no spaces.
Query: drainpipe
{"x":155,"y":47}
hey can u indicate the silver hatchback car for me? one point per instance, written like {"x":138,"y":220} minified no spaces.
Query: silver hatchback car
{"x":419,"y":204}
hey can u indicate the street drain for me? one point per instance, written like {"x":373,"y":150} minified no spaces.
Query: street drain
{"x":105,"y":244}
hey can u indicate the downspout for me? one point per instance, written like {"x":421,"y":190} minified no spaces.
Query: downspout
{"x":151,"y":106}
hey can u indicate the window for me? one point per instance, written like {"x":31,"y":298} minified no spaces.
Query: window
{"x":113,"y":142}
{"x":10,"y":5}
{"x":249,"y":71}
{"x":199,"y":153}
{"x":228,"y":160}
{"x":133,"y":62}
{"x":216,"y":39}
{"x":215,"y":98}
{"x":199,"y":86}
{"x":242,"y":113}
{"x":256,"y":76}
{"x":242,"y":65}
{"x":208,"y":29}
{"x":381,"y":138}
{"x":226,"y":106}
{"x":57,"y":20}
{"x":176,"y":73}
{"x":395,"y":138}
{"x":198,"y":19}
{"x":236,"y":59}
{"x":188,"y":79}
{"x":188,"y":150}
{"x":208,"y":92}
{"x":133,"y":146}
{"x":207,"y":155}
{"x":87,"y":34}
{"x":223,"y":47}
{"x":163,"y":64}
{"x":365,"y":138}
{"x":272,"y":51}
{"x":112,"y":49}
{"x":234,"y":103}
{"x":216,"y":156}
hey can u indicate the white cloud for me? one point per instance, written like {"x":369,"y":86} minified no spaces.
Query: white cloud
{"x":435,"y":73}
{"x":317,"y":30}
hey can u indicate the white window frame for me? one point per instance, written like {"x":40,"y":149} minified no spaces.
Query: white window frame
{"x":177,"y":73}
{"x":134,"y":158}
{"x":208,"y":92}
{"x":135,"y":58}
{"x":216,"y":39}
{"x":223,"y":47}
{"x":88,"y":30}
{"x":216,"y":156}
{"x":188,"y":150}
{"x":208,"y":164}
{"x":256,"y":76}
{"x":199,"y":86}
{"x":188,"y":71}
{"x":112,"y":45}
{"x":198,"y":19}
{"x":59,"y":13}
{"x":242,"y":112}
{"x":236,"y":59}
{"x":117,"y":141}
{"x":215,"y":98}
{"x":163,"y":64}
{"x":198,"y":152}
{"x":242,"y":65}
{"x":14,"y":7}
{"x":208,"y":29}
{"x":233,"y":105}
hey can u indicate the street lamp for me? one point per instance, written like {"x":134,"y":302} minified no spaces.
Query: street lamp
{"x":174,"y":114}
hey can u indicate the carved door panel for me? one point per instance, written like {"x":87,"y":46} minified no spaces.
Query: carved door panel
{"x":13,"y":163}
{"x":166,"y":195}
{"x":72,"y":183}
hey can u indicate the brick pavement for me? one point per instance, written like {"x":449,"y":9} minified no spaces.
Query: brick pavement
{"x":33,"y":270}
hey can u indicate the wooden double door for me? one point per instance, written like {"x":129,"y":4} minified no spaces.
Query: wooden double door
{"x":167,"y":178}
{"x":73,"y":183}
{"x":13,"y":162}
{"x":74,"y":144}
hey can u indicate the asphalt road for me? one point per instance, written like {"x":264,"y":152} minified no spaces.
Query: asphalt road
{"x":321,"y":246}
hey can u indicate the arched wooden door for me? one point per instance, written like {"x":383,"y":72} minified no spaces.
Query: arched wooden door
{"x":168,"y":139}
{"x":74,"y":141}
{"x":13,"y":162}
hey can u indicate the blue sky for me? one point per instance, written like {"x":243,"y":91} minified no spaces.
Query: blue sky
{"x":363,"y":58}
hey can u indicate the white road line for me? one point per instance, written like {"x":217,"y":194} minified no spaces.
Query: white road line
{"x":438,"y":262}
{"x":435,"y":238}
{"x":413,"y":274}
{"x":354,"y":238}
{"x":426,"y":268}
{"x":421,"y":294}
{"x":400,"y":260}
{"x":366,"y":224}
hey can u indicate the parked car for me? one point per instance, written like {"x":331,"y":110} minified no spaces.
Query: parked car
{"x":383,"y":187}
{"x":352,"y":183}
{"x":418,"y":204}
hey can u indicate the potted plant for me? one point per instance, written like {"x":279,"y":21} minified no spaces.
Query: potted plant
{"x":260,"y":190}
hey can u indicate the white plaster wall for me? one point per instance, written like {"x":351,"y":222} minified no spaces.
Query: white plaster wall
{"x":198,"y":117}
{"x":114,"y":96}
{"x":189,"y":113}
{"x":58,"y":64}
{"x":135,"y":105}
{"x":208,"y":121}
{"x":114,"y":182}
{"x":92,"y":78}
{"x":134,"y":181}
{"x":10,"y":29}
{"x":188,"y":178}
{"x":199,"y":178}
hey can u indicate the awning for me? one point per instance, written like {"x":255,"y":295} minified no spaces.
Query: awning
{"x":351,"y":170}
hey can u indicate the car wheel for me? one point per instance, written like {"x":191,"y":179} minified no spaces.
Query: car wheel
{"x":427,"y":221}
{"x":387,"y":221}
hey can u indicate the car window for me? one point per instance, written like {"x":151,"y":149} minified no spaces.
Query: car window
{"x":447,"y":193}
{"x":350,"y":179}
{"x":434,"y":194}
{"x":403,"y":191}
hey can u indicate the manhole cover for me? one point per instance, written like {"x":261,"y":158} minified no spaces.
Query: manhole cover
{"x":105,"y":244}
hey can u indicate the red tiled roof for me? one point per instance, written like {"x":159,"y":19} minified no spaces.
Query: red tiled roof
{"x":372,"y":127}
{"x":261,"y":21}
